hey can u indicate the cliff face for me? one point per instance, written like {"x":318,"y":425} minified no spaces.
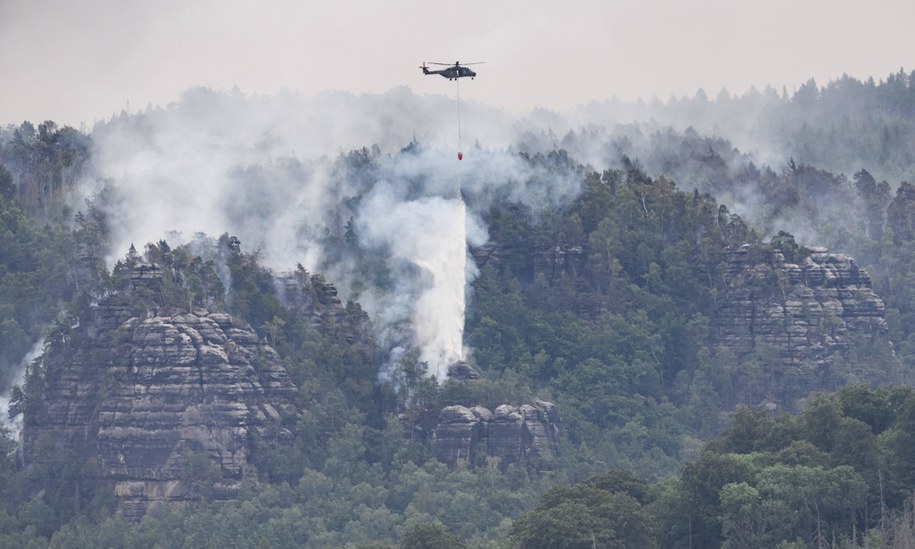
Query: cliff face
{"x":150,"y":398}
{"x":513,"y":434}
{"x":804,"y":312}
{"x":316,"y":301}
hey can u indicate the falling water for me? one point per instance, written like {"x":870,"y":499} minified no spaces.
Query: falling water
{"x":439,"y":312}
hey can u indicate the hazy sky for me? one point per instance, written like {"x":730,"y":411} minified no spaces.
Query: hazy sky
{"x":79,"y":61}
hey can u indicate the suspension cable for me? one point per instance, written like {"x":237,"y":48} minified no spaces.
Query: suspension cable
{"x":459,"y":111}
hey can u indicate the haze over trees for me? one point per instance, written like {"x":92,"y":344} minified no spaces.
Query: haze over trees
{"x":606,"y":297}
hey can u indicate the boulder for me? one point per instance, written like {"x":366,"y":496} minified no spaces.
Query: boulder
{"x":462,"y":371}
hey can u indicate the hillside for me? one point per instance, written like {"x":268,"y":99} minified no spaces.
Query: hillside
{"x":380,"y":347}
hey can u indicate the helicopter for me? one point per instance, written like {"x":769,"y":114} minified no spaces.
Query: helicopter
{"x":453,"y":72}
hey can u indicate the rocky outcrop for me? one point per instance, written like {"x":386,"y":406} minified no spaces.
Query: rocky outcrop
{"x":558,"y":260}
{"x":149,"y":398}
{"x":804,"y":311}
{"x":512,"y":433}
{"x":462,"y":371}
{"x":315,"y":300}
{"x":486,"y":254}
{"x":458,"y":433}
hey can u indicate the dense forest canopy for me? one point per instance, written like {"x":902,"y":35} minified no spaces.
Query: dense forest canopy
{"x":608,"y":271}
{"x":841,"y":126}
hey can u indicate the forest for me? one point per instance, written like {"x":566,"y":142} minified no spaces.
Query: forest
{"x":615,"y":297}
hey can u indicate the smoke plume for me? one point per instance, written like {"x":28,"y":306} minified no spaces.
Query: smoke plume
{"x":429,"y":233}
{"x":283,"y":172}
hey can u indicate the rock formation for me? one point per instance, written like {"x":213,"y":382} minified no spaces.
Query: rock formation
{"x":804,"y":312}
{"x":462,"y":371}
{"x":558,"y":260}
{"x":315,"y":300}
{"x":148,"y":397}
{"x":485,"y":254}
{"x":513,"y":434}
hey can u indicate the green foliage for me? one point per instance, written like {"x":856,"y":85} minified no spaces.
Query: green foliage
{"x":44,"y":165}
{"x":429,"y":536}
{"x":7,"y":187}
{"x":586,"y":515}
{"x":38,"y":274}
{"x":774,"y":478}
{"x":604,"y":305}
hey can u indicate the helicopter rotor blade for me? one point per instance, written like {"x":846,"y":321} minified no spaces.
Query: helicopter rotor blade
{"x":443,"y":64}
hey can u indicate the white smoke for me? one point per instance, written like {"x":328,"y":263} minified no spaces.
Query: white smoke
{"x":270,"y":170}
{"x":431,"y":234}
{"x":276,"y":172}
{"x":15,"y":424}
{"x":260,"y":168}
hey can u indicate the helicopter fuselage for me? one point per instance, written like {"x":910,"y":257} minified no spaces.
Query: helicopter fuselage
{"x":452,"y":73}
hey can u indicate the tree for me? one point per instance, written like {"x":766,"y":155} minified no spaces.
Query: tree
{"x":701,"y":485}
{"x":743,"y":518}
{"x":429,"y":536}
{"x":810,"y":502}
{"x":7,"y":186}
{"x":584,"y":516}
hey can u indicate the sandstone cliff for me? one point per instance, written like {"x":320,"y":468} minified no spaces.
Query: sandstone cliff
{"x":511,"y":433}
{"x":803,"y":312}
{"x":150,"y":397}
{"x":315,"y":301}
{"x":793,"y":311}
